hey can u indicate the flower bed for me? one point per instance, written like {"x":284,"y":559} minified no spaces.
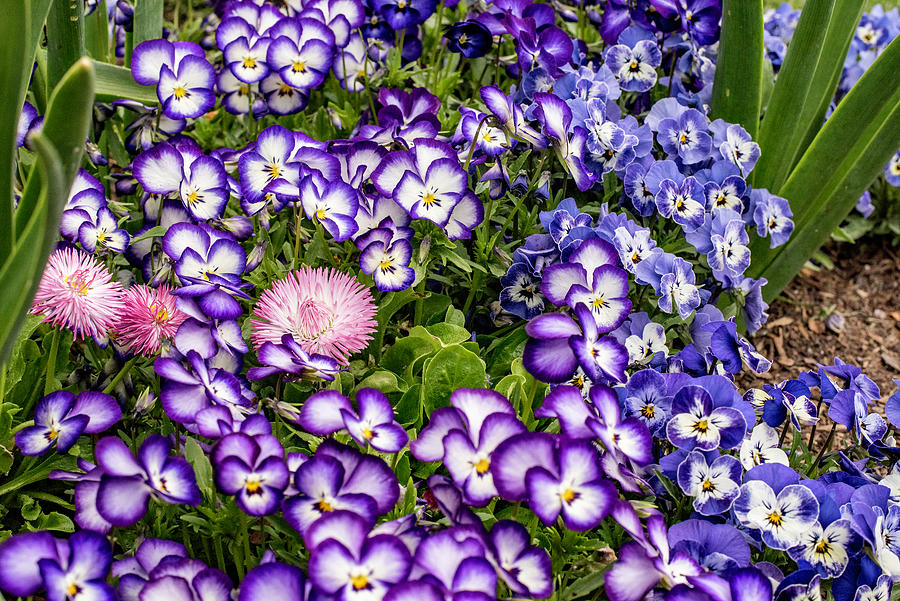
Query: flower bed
{"x":403,"y":300}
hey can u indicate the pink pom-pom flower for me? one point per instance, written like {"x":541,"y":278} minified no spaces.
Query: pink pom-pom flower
{"x":149,"y":319}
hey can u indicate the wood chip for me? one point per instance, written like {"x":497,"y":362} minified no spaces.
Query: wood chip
{"x":891,"y":360}
{"x":781,"y":321}
{"x":816,"y":326}
{"x":895,"y":315}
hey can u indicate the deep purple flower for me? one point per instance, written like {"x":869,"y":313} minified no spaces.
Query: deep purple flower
{"x":349,"y":563}
{"x":290,"y":358}
{"x":328,"y":411}
{"x":73,"y":569}
{"x":187,"y":392}
{"x":252,"y":468}
{"x":180,"y":579}
{"x":469,"y":38}
{"x":273,"y":580}
{"x":134,"y":572}
{"x":61,"y":417}
{"x":128,"y":483}
{"x":339,"y":477}
{"x":558,"y":346}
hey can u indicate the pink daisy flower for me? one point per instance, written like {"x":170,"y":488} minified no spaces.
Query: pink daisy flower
{"x":150,"y":317}
{"x":77,"y":292}
{"x":324,"y":310}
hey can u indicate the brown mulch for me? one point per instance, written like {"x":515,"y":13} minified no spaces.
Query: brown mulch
{"x":851,"y":312}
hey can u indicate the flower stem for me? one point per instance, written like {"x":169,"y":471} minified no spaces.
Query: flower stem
{"x":120,"y":376}
{"x":297,"y":217}
{"x":50,"y":375}
{"x":824,"y":449}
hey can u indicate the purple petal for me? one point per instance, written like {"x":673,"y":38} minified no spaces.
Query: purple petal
{"x":321,"y":413}
{"x":102,"y":409}
{"x":122,"y":501}
{"x":550,"y":360}
{"x":19,"y":557}
{"x":514,"y":457}
{"x":429,"y":446}
{"x":346,"y":527}
{"x":273,"y":581}
{"x":115,"y":458}
{"x":557,"y":280}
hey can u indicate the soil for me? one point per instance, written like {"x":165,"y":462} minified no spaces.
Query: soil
{"x":851,"y":312}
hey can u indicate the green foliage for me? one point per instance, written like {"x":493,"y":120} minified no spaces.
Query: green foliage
{"x":59,"y":149}
{"x":737,"y":92}
{"x":820,"y":169}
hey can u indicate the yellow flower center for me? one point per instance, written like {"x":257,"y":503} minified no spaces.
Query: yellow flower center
{"x":180,"y":92}
{"x":648,"y":411}
{"x":299,"y":67}
{"x":249,"y":63}
{"x":359,"y":582}
{"x":76,"y":283}
{"x":774,"y":518}
{"x":368,"y":433}
{"x":72,"y":590}
{"x":274,"y":170}
{"x":683,"y":139}
{"x":52,"y":434}
{"x":285,"y":89}
{"x":598,"y":303}
{"x":701,"y":426}
{"x":429,"y":199}
{"x":193,"y":197}
{"x":708,"y":486}
{"x":823,"y":547}
{"x":253,"y":486}
{"x":324,"y":506}
{"x":482,"y":465}
{"x":384,"y":265}
{"x":401,"y":4}
{"x":567,"y":495}
{"x":320,"y":214}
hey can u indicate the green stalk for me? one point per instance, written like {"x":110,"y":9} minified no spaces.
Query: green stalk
{"x":50,"y":373}
{"x":120,"y":376}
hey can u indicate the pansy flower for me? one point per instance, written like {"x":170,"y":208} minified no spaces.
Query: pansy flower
{"x":772,"y":216}
{"x":185,"y":579}
{"x":559,"y":345}
{"x":184,"y":172}
{"x":697,"y":423}
{"x":634,"y":59}
{"x":347,"y":562}
{"x":592,"y":277}
{"x":740,"y":149}
{"x":686,"y":137}
{"x":128,"y":483}
{"x":712,"y":481}
{"x":387,"y":261}
{"x":66,"y":569}
{"x":340,"y":477}
{"x":682,"y":201}
{"x":372,"y":423}
{"x":525,"y":568}
{"x":555,"y":117}
{"x":469,"y":38}
{"x":183,"y":77}
{"x":252,"y":468}
{"x":561,"y":479}
{"x":783,"y":516}
{"x":134,"y":572}
{"x":465,"y":435}
{"x":827,"y":548}
{"x":427,"y":180}
{"x":762,"y":447}
{"x":647,"y":398}
{"x":281,"y":98}
{"x":301,"y":51}
{"x":333,"y":204}
{"x":678,"y":290}
{"x":61,"y":417}
{"x":188,"y":390}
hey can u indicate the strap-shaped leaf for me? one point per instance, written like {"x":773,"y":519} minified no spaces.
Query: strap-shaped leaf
{"x":737,"y":90}
{"x":65,"y":39}
{"x":845,"y":157}
{"x":21,"y":273}
{"x":841,"y":30}
{"x":20,"y":28}
{"x":115,"y":82}
{"x":781,"y":132}
{"x":148,"y":20}
{"x":66,"y":127}
{"x":96,"y":33}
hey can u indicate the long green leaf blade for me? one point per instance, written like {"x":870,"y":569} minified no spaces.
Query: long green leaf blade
{"x":65,"y":39}
{"x":778,"y":133}
{"x":148,"y":20}
{"x":66,"y":126}
{"x":845,"y":157}
{"x":21,"y":273}
{"x":737,"y":90}
{"x":115,"y":82}
{"x":20,"y":28}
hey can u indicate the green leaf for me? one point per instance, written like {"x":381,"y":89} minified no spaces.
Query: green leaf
{"x":409,"y":408}
{"x":406,"y":351}
{"x":148,"y":20}
{"x":96,"y":33}
{"x":69,"y":117}
{"x":781,"y":131}
{"x":115,"y":82}
{"x":20,"y":28}
{"x":384,"y":381}
{"x":153,"y":232}
{"x":737,"y":90}
{"x":451,"y":368}
{"x":65,"y":39}
{"x":447,"y":333}
{"x":55,"y":521}
{"x":202,"y":467}
{"x":846,"y":156}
